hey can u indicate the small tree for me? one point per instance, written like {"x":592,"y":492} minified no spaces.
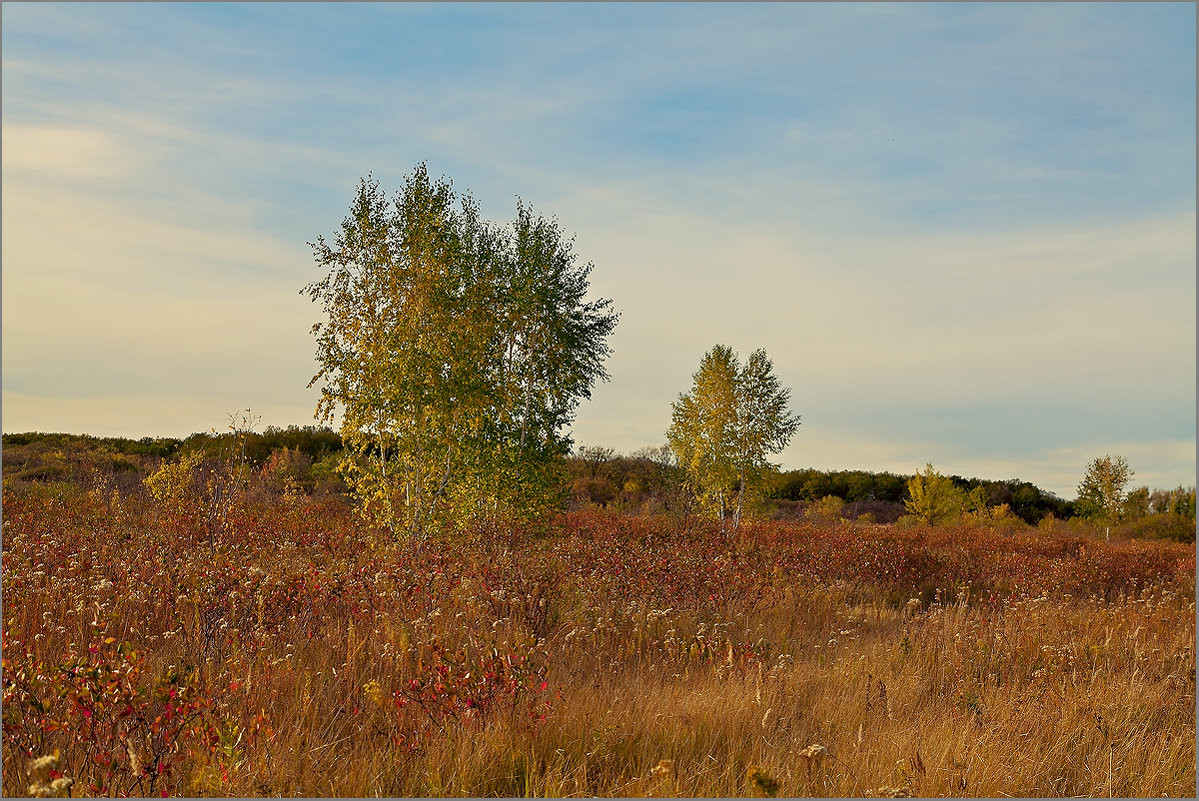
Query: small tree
{"x":934,"y":499}
{"x":594,"y":456}
{"x":1101,"y":491}
{"x":204,"y":484}
{"x":1136,"y":504}
{"x":830,"y":508}
{"x":725,"y":427}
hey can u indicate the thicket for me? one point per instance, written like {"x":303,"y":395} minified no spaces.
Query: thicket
{"x":315,"y":443}
{"x":146,"y":446}
{"x":312,"y":442}
{"x":646,"y":481}
{"x":301,"y":458}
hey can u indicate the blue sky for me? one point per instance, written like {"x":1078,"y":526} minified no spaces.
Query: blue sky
{"x":965,"y":233}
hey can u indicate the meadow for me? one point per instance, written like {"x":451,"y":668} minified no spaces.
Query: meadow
{"x":599,"y":654}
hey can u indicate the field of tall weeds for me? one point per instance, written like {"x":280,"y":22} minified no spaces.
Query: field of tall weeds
{"x":298,"y":653}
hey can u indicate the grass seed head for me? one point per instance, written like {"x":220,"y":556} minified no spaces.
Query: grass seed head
{"x":39,"y":770}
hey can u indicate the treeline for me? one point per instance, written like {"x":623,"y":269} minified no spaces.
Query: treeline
{"x":883,"y":495}
{"x":648,"y":479}
{"x":305,"y":458}
{"x":146,"y":446}
{"x":315,"y":443}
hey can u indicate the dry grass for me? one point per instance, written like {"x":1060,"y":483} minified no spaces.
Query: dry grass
{"x":1049,"y":698}
{"x":673,"y":665}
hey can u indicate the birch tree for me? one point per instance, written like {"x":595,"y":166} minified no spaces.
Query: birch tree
{"x":456,"y":352}
{"x":1101,"y":491}
{"x":723,"y":429}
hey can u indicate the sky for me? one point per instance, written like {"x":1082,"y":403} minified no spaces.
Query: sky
{"x":964,"y":233}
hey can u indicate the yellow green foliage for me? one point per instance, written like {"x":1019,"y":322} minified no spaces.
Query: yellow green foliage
{"x":723,"y":429}
{"x":172,"y":484}
{"x":455,"y":352}
{"x":830,"y":507}
{"x":934,"y":499}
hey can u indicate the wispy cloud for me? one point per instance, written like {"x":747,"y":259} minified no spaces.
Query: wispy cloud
{"x":964,"y":233}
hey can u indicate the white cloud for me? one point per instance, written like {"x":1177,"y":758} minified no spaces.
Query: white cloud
{"x":93,"y":239}
{"x":77,"y":153}
{"x":102,"y":300}
{"x":969,"y":313}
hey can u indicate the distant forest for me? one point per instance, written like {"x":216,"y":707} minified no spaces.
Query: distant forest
{"x":882,"y":494}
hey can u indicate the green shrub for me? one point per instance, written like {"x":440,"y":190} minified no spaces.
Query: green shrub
{"x":1161,"y":525}
{"x":49,"y":471}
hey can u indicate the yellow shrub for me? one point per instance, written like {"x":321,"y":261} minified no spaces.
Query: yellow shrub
{"x":172,"y":484}
{"x":830,"y":507}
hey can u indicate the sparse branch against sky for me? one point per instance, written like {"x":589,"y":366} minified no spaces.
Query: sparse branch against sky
{"x":965,"y":233}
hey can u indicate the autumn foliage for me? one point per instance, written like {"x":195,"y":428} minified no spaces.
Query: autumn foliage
{"x":595,"y":653}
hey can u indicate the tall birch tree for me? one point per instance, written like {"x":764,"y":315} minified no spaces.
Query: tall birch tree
{"x":456,"y":352}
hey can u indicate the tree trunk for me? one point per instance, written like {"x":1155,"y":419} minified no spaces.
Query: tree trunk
{"x":740,"y":505}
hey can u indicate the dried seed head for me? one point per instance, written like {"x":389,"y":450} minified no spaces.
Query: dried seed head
{"x":42,"y":765}
{"x":135,"y":762}
{"x":663,"y":769}
{"x":61,"y":786}
{"x":814,"y":753}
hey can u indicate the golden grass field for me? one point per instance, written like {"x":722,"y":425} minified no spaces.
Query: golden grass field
{"x":603,"y":655}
